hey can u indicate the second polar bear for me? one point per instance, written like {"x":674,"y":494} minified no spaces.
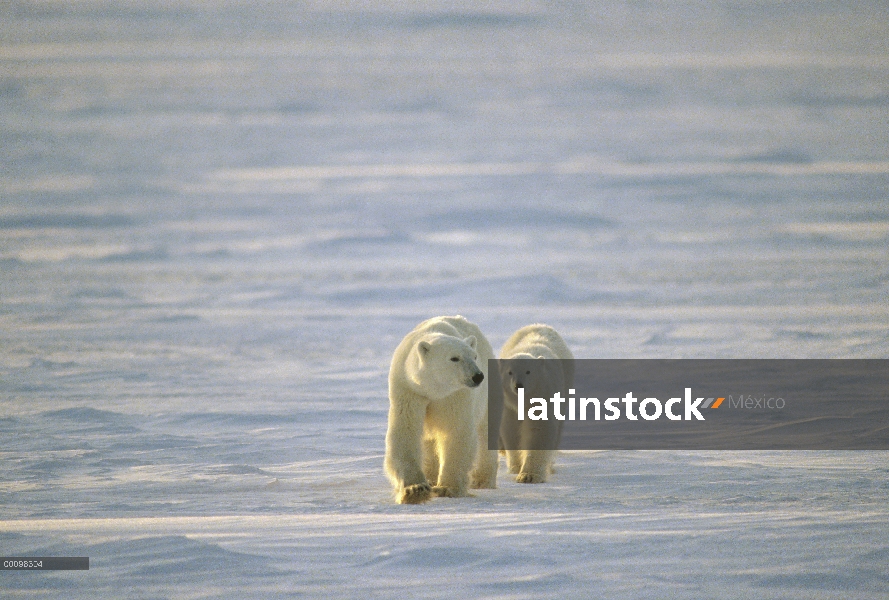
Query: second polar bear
{"x":521,"y":367}
{"x":437,"y":440}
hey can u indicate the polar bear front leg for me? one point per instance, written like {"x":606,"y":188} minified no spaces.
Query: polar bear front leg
{"x":457,"y":452}
{"x":536,"y":466}
{"x":404,"y":454}
{"x":514,"y":460}
{"x":430,"y":461}
{"x":484,"y":475}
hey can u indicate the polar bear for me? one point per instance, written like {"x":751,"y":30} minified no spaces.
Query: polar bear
{"x":437,"y":440}
{"x":521,"y":367}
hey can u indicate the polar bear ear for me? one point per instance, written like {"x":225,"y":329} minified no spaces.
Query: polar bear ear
{"x":470,"y":341}
{"x":424,"y":348}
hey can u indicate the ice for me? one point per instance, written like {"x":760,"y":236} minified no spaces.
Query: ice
{"x":218,"y":219}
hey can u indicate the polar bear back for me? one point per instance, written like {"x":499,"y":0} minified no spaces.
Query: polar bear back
{"x":539,"y":340}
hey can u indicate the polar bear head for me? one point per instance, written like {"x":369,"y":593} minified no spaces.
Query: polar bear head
{"x":536,"y":374}
{"x":442,"y":364}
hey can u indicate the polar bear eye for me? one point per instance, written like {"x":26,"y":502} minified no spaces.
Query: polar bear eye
{"x":455,"y":359}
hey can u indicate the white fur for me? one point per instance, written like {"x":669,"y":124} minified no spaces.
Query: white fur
{"x":437,"y":439}
{"x":519,"y":369}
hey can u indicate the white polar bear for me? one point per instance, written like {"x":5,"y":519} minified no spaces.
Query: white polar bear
{"x":520,"y":367}
{"x":437,"y":441}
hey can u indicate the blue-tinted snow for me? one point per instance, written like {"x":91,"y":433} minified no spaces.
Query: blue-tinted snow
{"x":218,"y":219}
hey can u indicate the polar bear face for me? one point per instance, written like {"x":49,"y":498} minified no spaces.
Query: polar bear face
{"x":535,"y":374}
{"x":443,"y":364}
{"x":516,"y":372}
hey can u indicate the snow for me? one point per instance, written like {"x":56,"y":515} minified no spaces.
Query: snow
{"x":218,"y":219}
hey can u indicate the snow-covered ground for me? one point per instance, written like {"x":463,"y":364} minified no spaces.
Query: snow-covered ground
{"x":218,"y":219}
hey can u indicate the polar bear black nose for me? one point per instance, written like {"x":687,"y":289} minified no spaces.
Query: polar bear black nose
{"x":478,"y":378}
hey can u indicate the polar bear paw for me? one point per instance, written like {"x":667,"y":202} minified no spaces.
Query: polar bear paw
{"x":443,"y":491}
{"x":415,"y":494}
{"x":530,"y":478}
{"x":481,"y":481}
